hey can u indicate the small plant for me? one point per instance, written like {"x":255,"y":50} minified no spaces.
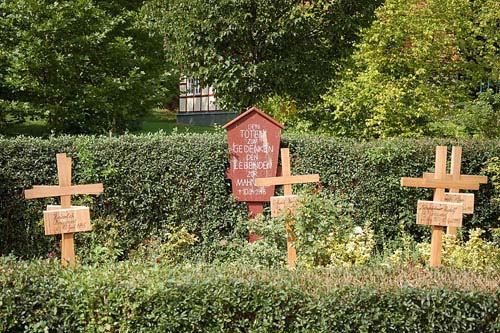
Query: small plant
{"x":325,"y":234}
{"x":409,"y":252}
{"x":171,"y":248}
{"x":269,"y":251}
{"x":105,"y":243}
{"x":493,"y":171}
{"x":356,"y":251}
{"x":476,"y":253}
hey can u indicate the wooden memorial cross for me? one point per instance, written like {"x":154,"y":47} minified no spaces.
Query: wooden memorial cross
{"x":65,"y":219}
{"x":445,"y":210}
{"x":281,"y":205}
{"x":453,"y":194}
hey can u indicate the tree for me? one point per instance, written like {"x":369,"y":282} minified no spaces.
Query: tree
{"x":85,"y":66}
{"x":414,"y":69}
{"x":251,"y":49}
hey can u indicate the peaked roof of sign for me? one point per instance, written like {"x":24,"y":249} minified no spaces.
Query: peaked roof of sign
{"x":249,"y":111}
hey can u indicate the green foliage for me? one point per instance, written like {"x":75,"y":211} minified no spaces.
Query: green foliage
{"x":251,"y":49}
{"x":481,"y":117}
{"x":84,"y":66}
{"x":323,"y":228}
{"x":156,"y":183}
{"x":413,"y":70}
{"x":283,"y":109}
{"x":474,"y":254}
{"x":170,"y":248}
{"x":128,"y":297}
{"x":493,"y":171}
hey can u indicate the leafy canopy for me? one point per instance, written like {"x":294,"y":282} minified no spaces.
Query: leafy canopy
{"x":84,"y":66}
{"x":414,"y":69}
{"x":250,"y":49}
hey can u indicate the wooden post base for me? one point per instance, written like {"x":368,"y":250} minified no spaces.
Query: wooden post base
{"x":68,"y":250}
{"x":292,"y":256}
{"x":436,"y":245}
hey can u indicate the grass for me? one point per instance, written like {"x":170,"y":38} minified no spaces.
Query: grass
{"x":164,"y":120}
{"x":157,"y":120}
{"x":36,"y":128}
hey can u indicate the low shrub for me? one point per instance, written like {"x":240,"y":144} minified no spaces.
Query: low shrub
{"x":129,"y":297}
{"x":475,"y":253}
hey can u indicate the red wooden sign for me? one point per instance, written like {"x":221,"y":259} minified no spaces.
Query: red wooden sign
{"x":254,"y":141}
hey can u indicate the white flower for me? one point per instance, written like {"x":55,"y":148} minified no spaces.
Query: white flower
{"x":358,"y":230}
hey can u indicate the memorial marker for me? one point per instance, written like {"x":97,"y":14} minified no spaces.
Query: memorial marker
{"x":65,"y":219}
{"x":254,"y":140}
{"x":445,"y":209}
{"x":281,"y":205}
{"x":472,"y":181}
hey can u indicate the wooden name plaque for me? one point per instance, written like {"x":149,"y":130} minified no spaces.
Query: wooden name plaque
{"x":283,"y":205}
{"x":444,"y":214}
{"x":466,"y":199}
{"x":68,"y":220}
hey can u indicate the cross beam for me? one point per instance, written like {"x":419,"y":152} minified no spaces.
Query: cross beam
{"x":443,"y":182}
{"x":287,"y":180}
{"x":64,"y":190}
{"x":40,"y":191}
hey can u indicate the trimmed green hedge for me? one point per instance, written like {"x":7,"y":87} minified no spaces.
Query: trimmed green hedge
{"x":40,"y":296}
{"x":157,"y":181}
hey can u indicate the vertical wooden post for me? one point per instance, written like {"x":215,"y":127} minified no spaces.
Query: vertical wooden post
{"x":287,"y":190}
{"x":67,"y":240}
{"x":456,"y":164}
{"x":437,"y":231}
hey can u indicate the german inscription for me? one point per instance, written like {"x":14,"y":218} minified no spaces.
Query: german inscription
{"x":69,"y":220}
{"x":445,"y":214}
{"x":466,"y":199}
{"x":253,"y":141}
{"x":282,"y":205}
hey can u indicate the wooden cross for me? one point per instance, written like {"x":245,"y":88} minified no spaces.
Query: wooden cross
{"x":65,"y":219}
{"x":281,"y":205}
{"x":445,"y":209}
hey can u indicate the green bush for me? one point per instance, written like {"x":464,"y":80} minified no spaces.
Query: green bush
{"x":480,"y":118}
{"x":83,"y":66}
{"x":155,"y":183}
{"x":126,"y":297}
